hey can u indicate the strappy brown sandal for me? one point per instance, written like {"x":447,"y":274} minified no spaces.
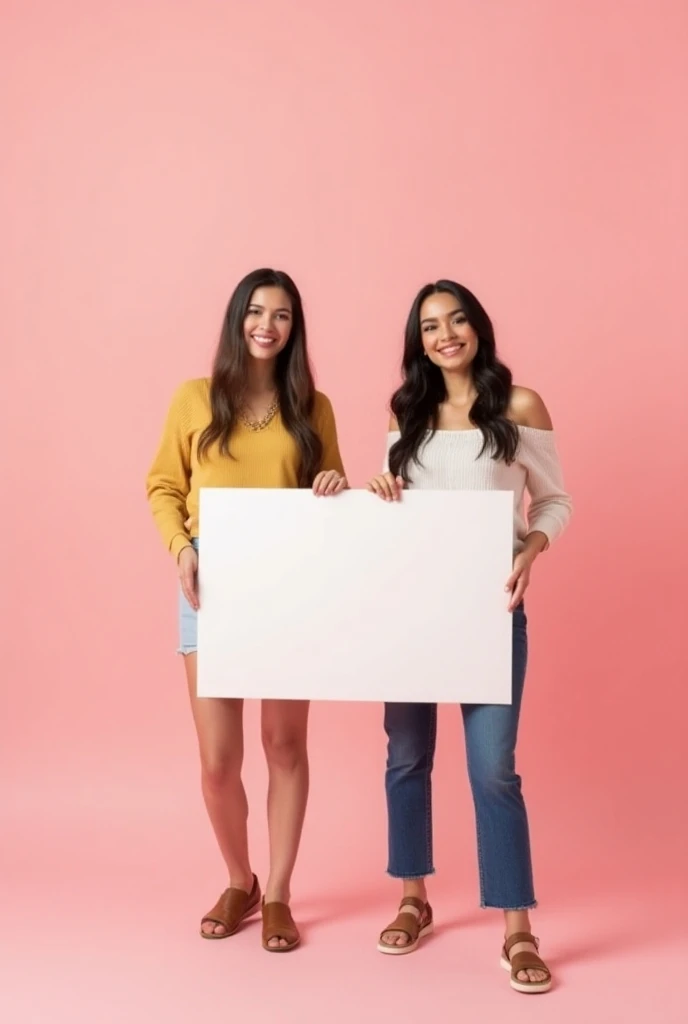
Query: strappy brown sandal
{"x":279,"y":924}
{"x":525,"y":962}
{"x":231,"y":910}
{"x":414,"y":927}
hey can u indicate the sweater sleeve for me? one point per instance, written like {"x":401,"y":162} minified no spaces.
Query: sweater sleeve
{"x":327,"y":431}
{"x":550,"y":505}
{"x":167,"y":484}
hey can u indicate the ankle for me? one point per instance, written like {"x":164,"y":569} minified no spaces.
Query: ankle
{"x":277,"y":892}
{"x":516,"y":921}
{"x":241,"y":880}
{"x":415,"y":887}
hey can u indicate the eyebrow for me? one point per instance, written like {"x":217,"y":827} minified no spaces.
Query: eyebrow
{"x":257,"y":305}
{"x":433,"y":319}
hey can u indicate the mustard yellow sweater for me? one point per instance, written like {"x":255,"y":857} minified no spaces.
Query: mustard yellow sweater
{"x":265,"y":458}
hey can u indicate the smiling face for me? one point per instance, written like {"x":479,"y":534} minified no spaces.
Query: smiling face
{"x":448,"y":339}
{"x":268,"y":321}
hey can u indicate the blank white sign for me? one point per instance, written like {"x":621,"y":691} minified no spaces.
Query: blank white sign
{"x":354,"y":598}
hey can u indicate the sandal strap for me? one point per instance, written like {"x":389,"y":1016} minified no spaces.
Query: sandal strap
{"x":408,"y":924}
{"x":231,"y":906}
{"x":517,"y":937}
{"x":413,"y":901}
{"x":278,"y":923}
{"x":528,"y":962}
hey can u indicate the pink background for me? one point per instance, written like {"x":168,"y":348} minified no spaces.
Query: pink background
{"x":153,"y":153}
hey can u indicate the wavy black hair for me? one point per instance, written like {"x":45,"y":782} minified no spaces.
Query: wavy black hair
{"x":416,"y":403}
{"x":293,"y":375}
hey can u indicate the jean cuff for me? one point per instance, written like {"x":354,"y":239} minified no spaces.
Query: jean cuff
{"x":410,"y":877}
{"x":495,"y":906}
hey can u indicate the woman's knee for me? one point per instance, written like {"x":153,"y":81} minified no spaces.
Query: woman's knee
{"x":411,"y":737}
{"x":408,"y":754}
{"x":220,"y":767}
{"x":284,"y":748}
{"x":493,"y":775}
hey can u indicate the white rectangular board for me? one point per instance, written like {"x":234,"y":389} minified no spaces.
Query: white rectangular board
{"x":355,"y":599}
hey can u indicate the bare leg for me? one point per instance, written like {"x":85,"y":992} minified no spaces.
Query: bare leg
{"x":284,"y":732}
{"x":219,"y":727}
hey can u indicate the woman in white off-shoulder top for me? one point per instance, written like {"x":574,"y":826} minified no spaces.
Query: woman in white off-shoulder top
{"x":459,"y":423}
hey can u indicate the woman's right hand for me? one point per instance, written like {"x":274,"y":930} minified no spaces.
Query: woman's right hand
{"x":386,"y":486}
{"x":187,"y":566}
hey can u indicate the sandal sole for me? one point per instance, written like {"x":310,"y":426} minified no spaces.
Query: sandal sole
{"x":411,"y":947}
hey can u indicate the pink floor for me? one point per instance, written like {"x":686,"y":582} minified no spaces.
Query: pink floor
{"x":107,"y":949}
{"x":100,"y":925}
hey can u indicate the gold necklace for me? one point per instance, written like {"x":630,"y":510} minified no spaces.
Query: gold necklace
{"x":262,"y":423}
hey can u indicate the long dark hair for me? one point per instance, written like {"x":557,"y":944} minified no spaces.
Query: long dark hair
{"x":416,"y":403}
{"x":293,"y":375}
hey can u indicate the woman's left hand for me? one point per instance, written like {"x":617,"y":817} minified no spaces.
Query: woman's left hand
{"x":517,"y":584}
{"x":329,"y":482}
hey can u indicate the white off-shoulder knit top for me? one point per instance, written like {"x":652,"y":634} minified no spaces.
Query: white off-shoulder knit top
{"x":450,"y":461}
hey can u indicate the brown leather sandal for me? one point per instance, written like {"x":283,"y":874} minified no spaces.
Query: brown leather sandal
{"x":525,"y":962}
{"x":231,"y":910}
{"x":279,"y":924}
{"x":414,"y":927}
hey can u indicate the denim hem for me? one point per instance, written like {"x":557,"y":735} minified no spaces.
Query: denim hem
{"x":494,"y":906}
{"x":411,"y":878}
{"x":187,"y":650}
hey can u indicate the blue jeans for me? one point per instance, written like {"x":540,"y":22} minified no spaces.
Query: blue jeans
{"x":506,"y":876}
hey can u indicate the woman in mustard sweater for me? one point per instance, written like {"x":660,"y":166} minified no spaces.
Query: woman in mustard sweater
{"x":258,"y":422}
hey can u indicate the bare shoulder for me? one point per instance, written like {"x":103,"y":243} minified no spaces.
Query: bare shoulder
{"x":527,"y":409}
{"x":393,"y":423}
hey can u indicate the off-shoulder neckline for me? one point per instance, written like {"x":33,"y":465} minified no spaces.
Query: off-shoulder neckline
{"x":476,"y":430}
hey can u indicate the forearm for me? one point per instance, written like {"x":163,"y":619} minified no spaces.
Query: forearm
{"x":534,"y":544}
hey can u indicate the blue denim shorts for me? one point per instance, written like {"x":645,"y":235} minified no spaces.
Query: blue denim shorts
{"x":188,"y":622}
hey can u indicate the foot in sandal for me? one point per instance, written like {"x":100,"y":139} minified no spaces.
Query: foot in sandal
{"x":412,"y":923}
{"x":231,"y":910}
{"x":280,"y":933}
{"x":529,"y":973}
